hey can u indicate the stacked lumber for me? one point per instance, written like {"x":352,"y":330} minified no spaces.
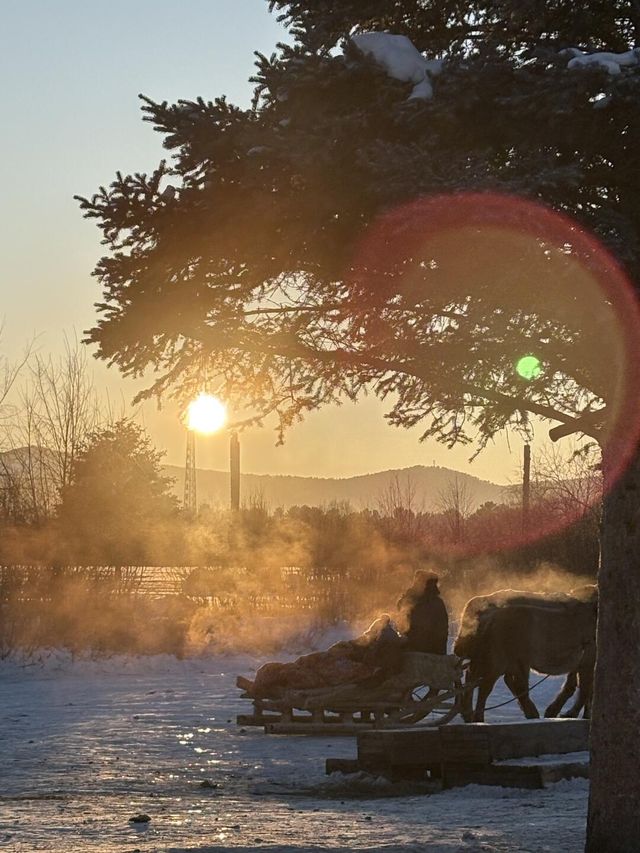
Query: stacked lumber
{"x":487,"y":754}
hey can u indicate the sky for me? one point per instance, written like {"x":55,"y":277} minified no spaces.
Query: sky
{"x":70,"y":74}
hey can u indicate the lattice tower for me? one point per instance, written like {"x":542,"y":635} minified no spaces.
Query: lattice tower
{"x":190,"y":497}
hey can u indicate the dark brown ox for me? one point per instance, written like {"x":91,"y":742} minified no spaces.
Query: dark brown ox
{"x":511,"y":632}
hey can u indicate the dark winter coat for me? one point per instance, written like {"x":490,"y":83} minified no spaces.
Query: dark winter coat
{"x":428,"y":621}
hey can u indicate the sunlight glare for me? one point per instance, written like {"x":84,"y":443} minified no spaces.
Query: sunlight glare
{"x":206,"y":414}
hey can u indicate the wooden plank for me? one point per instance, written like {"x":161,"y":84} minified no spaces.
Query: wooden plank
{"x":537,"y":737}
{"x":569,"y":770}
{"x":418,"y":749}
{"x":373,"y":749}
{"x":310,"y":728}
{"x":254,"y":719}
{"x":457,"y":775}
{"x":472,"y":743}
{"x":342,"y":765}
{"x":512,"y":775}
{"x":400,"y":747}
{"x":263,"y":719}
{"x":271,"y":705}
{"x":467,"y":744}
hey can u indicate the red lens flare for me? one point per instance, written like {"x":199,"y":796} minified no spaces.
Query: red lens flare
{"x":521,"y":305}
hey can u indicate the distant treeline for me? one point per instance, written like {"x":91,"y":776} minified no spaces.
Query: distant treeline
{"x":335,"y":538}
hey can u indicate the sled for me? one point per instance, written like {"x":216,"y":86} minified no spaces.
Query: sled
{"x":427,"y":690}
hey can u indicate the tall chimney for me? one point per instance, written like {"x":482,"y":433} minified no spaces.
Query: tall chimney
{"x":234,"y":469}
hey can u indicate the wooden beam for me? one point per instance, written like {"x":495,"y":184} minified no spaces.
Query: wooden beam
{"x":472,"y":743}
{"x":537,"y":737}
{"x":311,"y":728}
{"x":513,"y":775}
{"x":400,"y":748}
{"x":342,"y":765}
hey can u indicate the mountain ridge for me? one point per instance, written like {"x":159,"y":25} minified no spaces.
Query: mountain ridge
{"x":428,"y":484}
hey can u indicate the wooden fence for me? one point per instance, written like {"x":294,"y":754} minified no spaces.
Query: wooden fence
{"x":288,"y":588}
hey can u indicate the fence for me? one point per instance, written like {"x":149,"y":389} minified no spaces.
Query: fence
{"x":284,"y":588}
{"x":152,"y":609}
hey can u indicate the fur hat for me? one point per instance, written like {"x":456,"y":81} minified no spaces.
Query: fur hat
{"x":425,"y":579}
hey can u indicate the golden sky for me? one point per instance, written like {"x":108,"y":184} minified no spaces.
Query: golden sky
{"x":75,"y":120}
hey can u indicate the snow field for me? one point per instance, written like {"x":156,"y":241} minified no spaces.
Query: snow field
{"x":88,"y":744}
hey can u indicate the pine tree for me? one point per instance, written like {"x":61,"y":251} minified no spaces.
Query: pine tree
{"x":116,"y":497}
{"x":298,"y":256}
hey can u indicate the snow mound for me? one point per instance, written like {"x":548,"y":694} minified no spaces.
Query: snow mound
{"x":611,"y":62}
{"x":402,"y":60}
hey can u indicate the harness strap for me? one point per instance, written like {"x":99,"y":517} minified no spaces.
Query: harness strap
{"x":519,"y":696}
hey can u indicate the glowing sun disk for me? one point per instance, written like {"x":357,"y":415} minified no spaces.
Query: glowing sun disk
{"x":206,"y":414}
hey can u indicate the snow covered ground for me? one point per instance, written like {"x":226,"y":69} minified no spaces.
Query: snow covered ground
{"x":87,"y":745}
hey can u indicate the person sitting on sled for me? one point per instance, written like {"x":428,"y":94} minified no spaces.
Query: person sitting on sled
{"x":425,"y":615}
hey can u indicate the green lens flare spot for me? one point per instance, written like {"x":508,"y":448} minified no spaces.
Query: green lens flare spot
{"x":529,"y":367}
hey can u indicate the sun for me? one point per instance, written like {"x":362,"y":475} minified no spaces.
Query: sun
{"x":206,"y":414}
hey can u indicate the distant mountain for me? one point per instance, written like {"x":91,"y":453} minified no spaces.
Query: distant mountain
{"x":18,"y":457}
{"x":368,"y":490}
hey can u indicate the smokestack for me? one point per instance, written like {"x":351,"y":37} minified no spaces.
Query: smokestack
{"x":234,"y":469}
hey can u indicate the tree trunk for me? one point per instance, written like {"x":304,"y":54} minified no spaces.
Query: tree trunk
{"x":614,"y":804}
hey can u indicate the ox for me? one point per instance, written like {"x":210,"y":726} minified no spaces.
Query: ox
{"x":511,"y":632}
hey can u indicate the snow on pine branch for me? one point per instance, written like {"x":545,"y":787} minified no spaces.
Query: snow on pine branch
{"x":612,"y":62}
{"x":402,"y":60}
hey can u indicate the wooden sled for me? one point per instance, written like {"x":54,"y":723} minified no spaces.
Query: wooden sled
{"x":427,"y":690}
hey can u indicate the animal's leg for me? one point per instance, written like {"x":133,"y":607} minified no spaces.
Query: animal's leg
{"x":484,"y":689}
{"x":585,"y":692}
{"x":567,"y":691}
{"x":575,"y":709}
{"x":518,"y":683}
{"x":467,"y":698}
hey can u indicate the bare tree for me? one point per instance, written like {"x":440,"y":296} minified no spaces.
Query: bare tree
{"x":569,"y":482}
{"x":10,"y":494}
{"x":456,"y":503}
{"x":399,"y":508}
{"x":68,"y":408}
{"x":57,"y":409}
{"x":9,"y":372}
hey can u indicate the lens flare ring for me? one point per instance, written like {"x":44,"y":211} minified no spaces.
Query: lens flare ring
{"x":544,"y":281}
